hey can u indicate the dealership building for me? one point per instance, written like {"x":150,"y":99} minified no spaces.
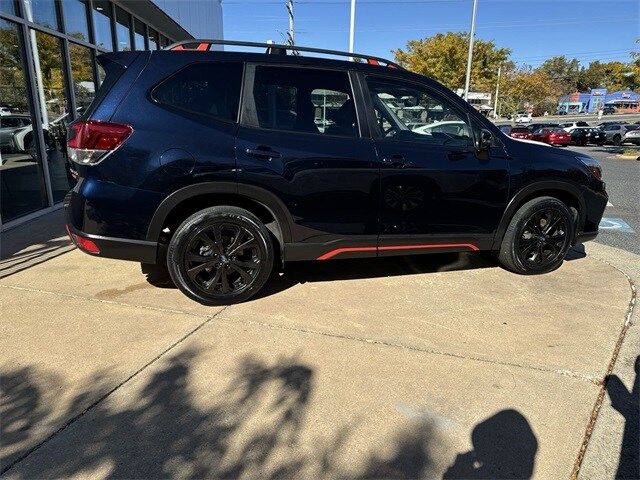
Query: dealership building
{"x":49,"y":75}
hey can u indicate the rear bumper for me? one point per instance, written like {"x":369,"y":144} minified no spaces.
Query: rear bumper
{"x":109,"y":247}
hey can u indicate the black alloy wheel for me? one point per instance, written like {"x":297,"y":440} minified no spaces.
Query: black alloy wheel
{"x":538,"y":236}
{"x":542,"y":239}
{"x":222,"y":258}
{"x":220,"y":255}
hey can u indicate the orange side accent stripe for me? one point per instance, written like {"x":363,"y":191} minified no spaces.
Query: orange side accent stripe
{"x":338,"y":251}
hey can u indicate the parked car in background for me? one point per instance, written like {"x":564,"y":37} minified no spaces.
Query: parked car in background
{"x":451,"y":127}
{"x":521,"y":133}
{"x":537,"y":126}
{"x":632,"y":136}
{"x":9,"y":126}
{"x":522,"y":118}
{"x":552,"y":136}
{"x":614,"y":132}
{"x":506,"y":129}
{"x":568,"y":126}
{"x":612,"y":122}
{"x":587,"y":136}
{"x":608,"y":110}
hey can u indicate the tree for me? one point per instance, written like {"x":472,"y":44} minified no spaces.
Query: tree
{"x":610,"y":75}
{"x":444,"y":57}
{"x":530,"y":86}
{"x":563,"y":73}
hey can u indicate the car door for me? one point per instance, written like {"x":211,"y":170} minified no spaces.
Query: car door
{"x":437,"y":191}
{"x":301,"y":141}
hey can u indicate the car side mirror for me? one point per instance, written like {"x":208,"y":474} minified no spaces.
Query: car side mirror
{"x":484,"y":139}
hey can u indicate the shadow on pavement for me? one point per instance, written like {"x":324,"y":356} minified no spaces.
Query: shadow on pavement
{"x":33,"y":243}
{"x":314,"y":271}
{"x":252,"y":428}
{"x":627,"y":403}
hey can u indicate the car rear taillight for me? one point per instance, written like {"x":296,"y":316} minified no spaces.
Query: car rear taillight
{"x":91,"y":141}
{"x":83,"y":243}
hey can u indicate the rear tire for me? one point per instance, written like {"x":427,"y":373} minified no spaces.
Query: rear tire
{"x":220,"y":256}
{"x":538,"y":237}
{"x":617,"y":140}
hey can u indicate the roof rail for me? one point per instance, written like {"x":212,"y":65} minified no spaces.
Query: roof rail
{"x":204,"y":45}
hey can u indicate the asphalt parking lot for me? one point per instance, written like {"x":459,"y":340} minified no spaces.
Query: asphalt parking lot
{"x":418,"y":367}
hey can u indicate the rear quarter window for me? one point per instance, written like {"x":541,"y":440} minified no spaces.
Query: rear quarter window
{"x":211,"y":89}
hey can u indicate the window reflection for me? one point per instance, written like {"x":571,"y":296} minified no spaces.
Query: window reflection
{"x":75,"y":18}
{"x":123,"y":29}
{"x":102,"y":24}
{"x":8,"y":6}
{"x":51,"y":85}
{"x":42,"y":12}
{"x":139,"y":34}
{"x":84,"y":87}
{"x":153,"y":39}
{"x":22,"y":189}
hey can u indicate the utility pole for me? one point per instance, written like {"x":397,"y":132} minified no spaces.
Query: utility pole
{"x":352,"y":26}
{"x":495,"y":105}
{"x":291,"y":31}
{"x":472,"y":34}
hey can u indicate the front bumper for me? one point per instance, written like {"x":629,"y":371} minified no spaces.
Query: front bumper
{"x":109,"y":247}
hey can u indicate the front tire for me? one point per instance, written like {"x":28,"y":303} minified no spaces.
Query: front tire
{"x":538,"y":237}
{"x":220,"y":256}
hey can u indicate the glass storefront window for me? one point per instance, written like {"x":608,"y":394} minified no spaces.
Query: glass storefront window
{"x":21,"y":188}
{"x":42,"y":12}
{"x":123,"y":29}
{"x":84,"y":87}
{"x":8,"y":6}
{"x":76,"y":19}
{"x":139,"y":34}
{"x":51,"y":86}
{"x":153,"y":39}
{"x":102,"y":24}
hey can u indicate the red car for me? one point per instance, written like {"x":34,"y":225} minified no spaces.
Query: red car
{"x":521,"y":132}
{"x":552,"y":136}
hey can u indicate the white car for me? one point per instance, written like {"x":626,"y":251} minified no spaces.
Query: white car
{"x":522,"y":118}
{"x":632,"y":136}
{"x":452,"y":127}
{"x":4,"y":111}
{"x":571,"y":125}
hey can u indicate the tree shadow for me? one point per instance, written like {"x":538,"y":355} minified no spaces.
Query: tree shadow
{"x":627,"y":403}
{"x":255,"y":427}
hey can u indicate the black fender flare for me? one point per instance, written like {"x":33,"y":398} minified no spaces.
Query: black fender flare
{"x":259,"y":195}
{"x":530,"y":189}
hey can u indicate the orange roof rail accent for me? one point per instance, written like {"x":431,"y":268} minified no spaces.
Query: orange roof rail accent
{"x":273,"y":48}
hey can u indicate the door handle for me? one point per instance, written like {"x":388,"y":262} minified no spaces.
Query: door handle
{"x":262,"y":152}
{"x":397,"y":161}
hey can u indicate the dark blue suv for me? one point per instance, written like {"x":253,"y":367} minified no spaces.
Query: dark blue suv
{"x":221,"y":165}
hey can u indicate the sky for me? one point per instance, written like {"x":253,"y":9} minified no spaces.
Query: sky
{"x":533,"y":29}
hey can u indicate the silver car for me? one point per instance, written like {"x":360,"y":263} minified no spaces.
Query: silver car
{"x":632,"y":136}
{"x":614,"y":133}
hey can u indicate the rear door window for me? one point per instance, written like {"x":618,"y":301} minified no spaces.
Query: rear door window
{"x":303,"y":100}
{"x":211,"y":89}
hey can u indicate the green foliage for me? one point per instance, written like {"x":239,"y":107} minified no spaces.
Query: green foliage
{"x":444,"y":58}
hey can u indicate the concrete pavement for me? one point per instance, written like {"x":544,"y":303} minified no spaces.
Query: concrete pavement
{"x":440,"y":365}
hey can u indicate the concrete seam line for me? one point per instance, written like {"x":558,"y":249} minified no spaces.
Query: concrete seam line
{"x":73,"y":419}
{"x":603,"y":385}
{"x":564,"y":373}
{"x":100,"y":300}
